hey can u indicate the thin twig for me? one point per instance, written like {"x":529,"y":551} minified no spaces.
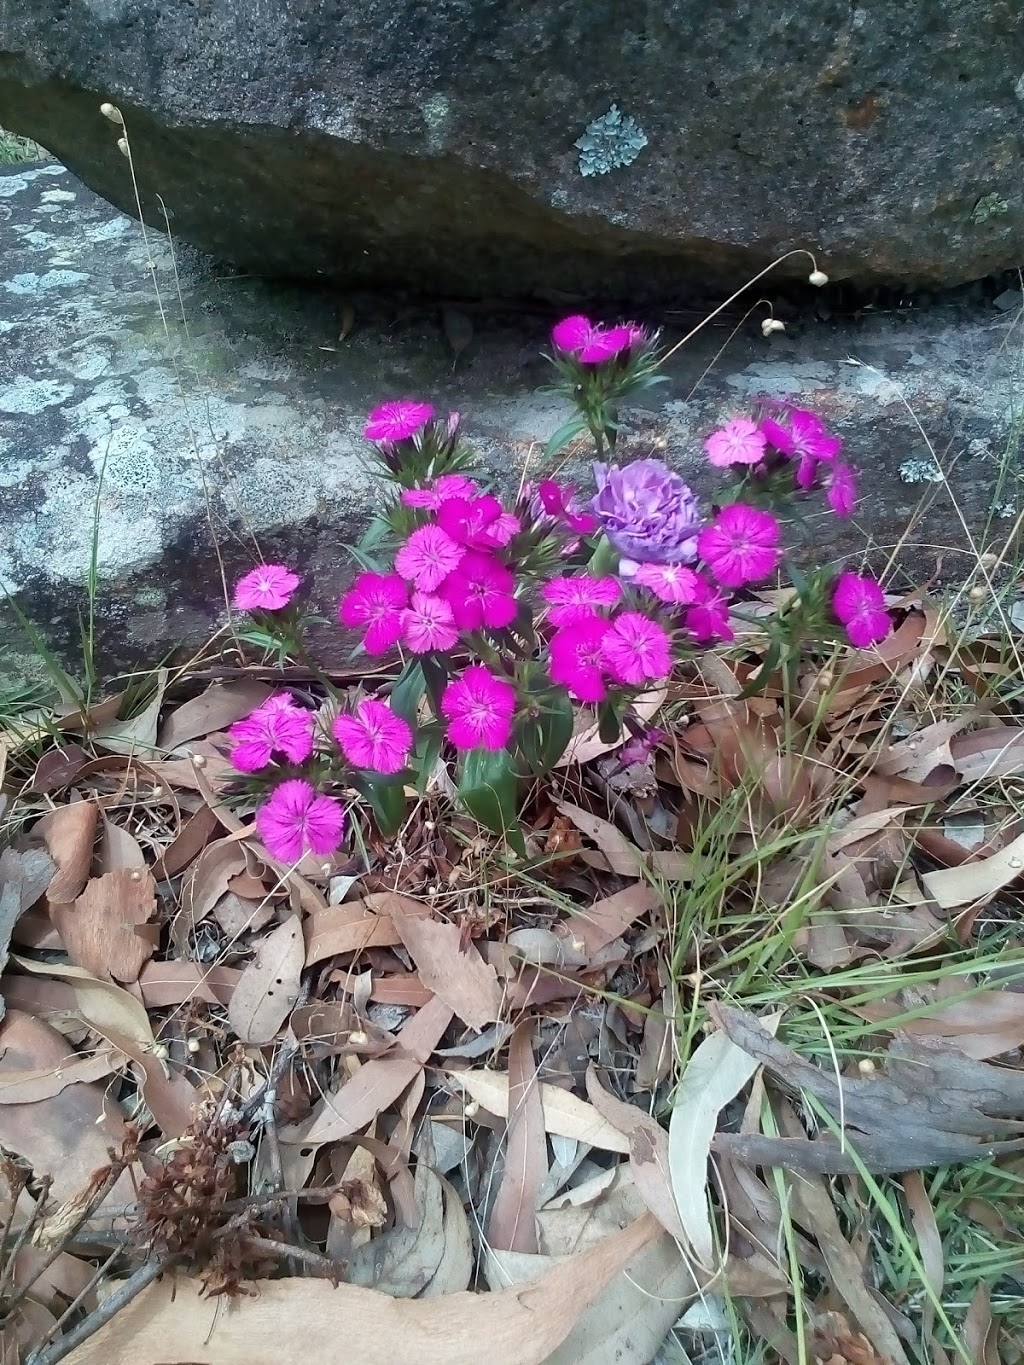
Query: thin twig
{"x":331,"y":1270}
{"x":77,"y":1302}
{"x":109,"y":1308}
{"x":25,"y":1233}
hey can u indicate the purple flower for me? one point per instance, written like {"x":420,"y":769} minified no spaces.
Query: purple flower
{"x":647,"y":512}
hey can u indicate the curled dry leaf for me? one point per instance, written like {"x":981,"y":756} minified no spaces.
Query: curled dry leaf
{"x":976,"y":882}
{"x":454,"y":971}
{"x":269,"y":985}
{"x":513,"y":1222}
{"x":137,"y":734}
{"x":356,"y":925}
{"x":565,"y":1114}
{"x":588,"y":744}
{"x":104,"y":929}
{"x":305,"y":1319}
{"x":620,"y":854}
{"x":215,"y":709}
{"x":68,"y":833}
{"x":405,"y":1261}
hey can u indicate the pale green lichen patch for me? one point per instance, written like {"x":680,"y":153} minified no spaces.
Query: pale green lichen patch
{"x":612,"y":141}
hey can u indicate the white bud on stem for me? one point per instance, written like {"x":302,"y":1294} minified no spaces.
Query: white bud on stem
{"x":112,"y":112}
{"x":770,"y":325}
{"x":817,"y":277}
{"x":122,"y":146}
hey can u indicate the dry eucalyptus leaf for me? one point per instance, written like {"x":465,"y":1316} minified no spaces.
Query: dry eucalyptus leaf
{"x":295,"y":1321}
{"x":102,"y":1004}
{"x":976,"y":882}
{"x":103,"y":929}
{"x":564,"y":1113}
{"x":715,"y":1073}
{"x":403,"y":1261}
{"x":68,"y":833}
{"x":215,"y":709}
{"x":513,"y":1221}
{"x":588,"y":744}
{"x":456,"y":973}
{"x":138,"y":733}
{"x":269,"y":985}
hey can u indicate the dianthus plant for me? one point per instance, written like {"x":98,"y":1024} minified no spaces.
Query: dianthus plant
{"x":515,"y":622}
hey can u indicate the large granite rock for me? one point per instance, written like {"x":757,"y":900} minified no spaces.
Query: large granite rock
{"x":184,"y":436}
{"x":476,"y":147}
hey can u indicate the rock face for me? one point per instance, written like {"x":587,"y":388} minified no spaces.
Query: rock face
{"x":184,"y":449}
{"x":491,"y":147}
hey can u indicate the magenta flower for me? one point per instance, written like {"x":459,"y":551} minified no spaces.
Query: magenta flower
{"x":605,"y":344}
{"x":375,"y":602}
{"x":572,"y":334}
{"x":577,"y":658}
{"x":859,"y":603}
{"x":481,"y":593}
{"x":374,"y":737}
{"x":803,"y":436}
{"x":296,"y":820}
{"x":447,"y":486}
{"x":268,"y":587}
{"x":591,"y":343}
{"x":639,"y":748}
{"x":740,"y":441}
{"x":479,"y":708}
{"x":636,"y":649}
{"x":428,"y":557}
{"x":842,"y":489}
{"x":276,"y":727}
{"x":742,"y":546}
{"x":428,"y":624}
{"x":708,"y":618}
{"x":647,"y":512}
{"x":478,"y":523}
{"x":397,"y":421}
{"x":559,"y":502}
{"x":673,"y":583}
{"x":579,"y":597}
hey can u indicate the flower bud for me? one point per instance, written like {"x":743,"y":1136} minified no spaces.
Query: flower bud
{"x":122,"y":146}
{"x":817,"y":277}
{"x":770,"y":325}
{"x":112,"y":112}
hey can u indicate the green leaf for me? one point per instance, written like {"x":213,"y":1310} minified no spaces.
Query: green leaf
{"x":604,"y":560}
{"x":565,"y":433}
{"x":488,"y":788}
{"x":386,"y":796}
{"x":542,"y":739}
{"x":768,"y":667}
{"x":435,"y":675}
{"x":408,"y":692}
{"x":427,"y":752}
{"x":609,"y":726}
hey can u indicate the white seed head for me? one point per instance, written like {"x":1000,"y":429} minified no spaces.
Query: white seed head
{"x":358,"y":1038}
{"x":194,"y":1045}
{"x":122,"y":146}
{"x":978,"y":593}
{"x":198,"y":759}
{"x":770,"y":325}
{"x":161,"y":1052}
{"x":472,"y":1109}
{"x":112,"y":112}
{"x":866,"y":1066}
{"x":817,"y":277}
{"x":135,"y":874}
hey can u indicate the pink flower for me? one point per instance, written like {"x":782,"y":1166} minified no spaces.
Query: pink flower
{"x":428,"y":624}
{"x":740,"y":441}
{"x":572,"y":334}
{"x":278,"y":726}
{"x":589,"y":342}
{"x":374,"y":737}
{"x":636,"y":649}
{"x":268,"y":587}
{"x":479,"y":708}
{"x":577,"y":658}
{"x":579,"y":597}
{"x":605,"y":344}
{"x":375,"y":601}
{"x":842,"y":489}
{"x":447,"y":486}
{"x":397,"y":421}
{"x":640,"y":747}
{"x":428,"y":557}
{"x":559,"y":502}
{"x":708,"y":618}
{"x":481,"y":593}
{"x":295,"y":820}
{"x":804,"y":437}
{"x":859,"y":603}
{"x":478,"y":523}
{"x":742,"y":546}
{"x":673,"y":583}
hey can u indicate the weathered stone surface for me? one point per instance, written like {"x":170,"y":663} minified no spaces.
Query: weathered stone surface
{"x":438,"y":145}
{"x":195,"y":444}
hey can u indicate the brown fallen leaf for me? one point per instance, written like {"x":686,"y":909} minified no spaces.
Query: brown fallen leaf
{"x":378,"y":1083}
{"x":648,"y":1153}
{"x":269,"y":985}
{"x":187,"y":844}
{"x":215,"y":709}
{"x":356,"y":925}
{"x":68,"y":833}
{"x":137,"y":734}
{"x":976,"y":882}
{"x":102,"y":1004}
{"x":26,"y":1087}
{"x":620,"y":854}
{"x":513,"y":1222}
{"x":204,"y":884}
{"x":65,"y":1135}
{"x":294,"y":1321}
{"x":104,"y":929}
{"x":605,"y":920}
{"x":23,"y":879}
{"x":984,"y":1025}
{"x":587,"y":744}
{"x":454,"y":971}
{"x":929,"y":1245}
{"x":565,"y":1114}
{"x":176,"y":983}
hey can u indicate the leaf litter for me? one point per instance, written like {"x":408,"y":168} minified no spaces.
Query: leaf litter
{"x":738,"y":1010}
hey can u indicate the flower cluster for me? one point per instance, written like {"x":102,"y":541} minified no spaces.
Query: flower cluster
{"x":509,"y":616}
